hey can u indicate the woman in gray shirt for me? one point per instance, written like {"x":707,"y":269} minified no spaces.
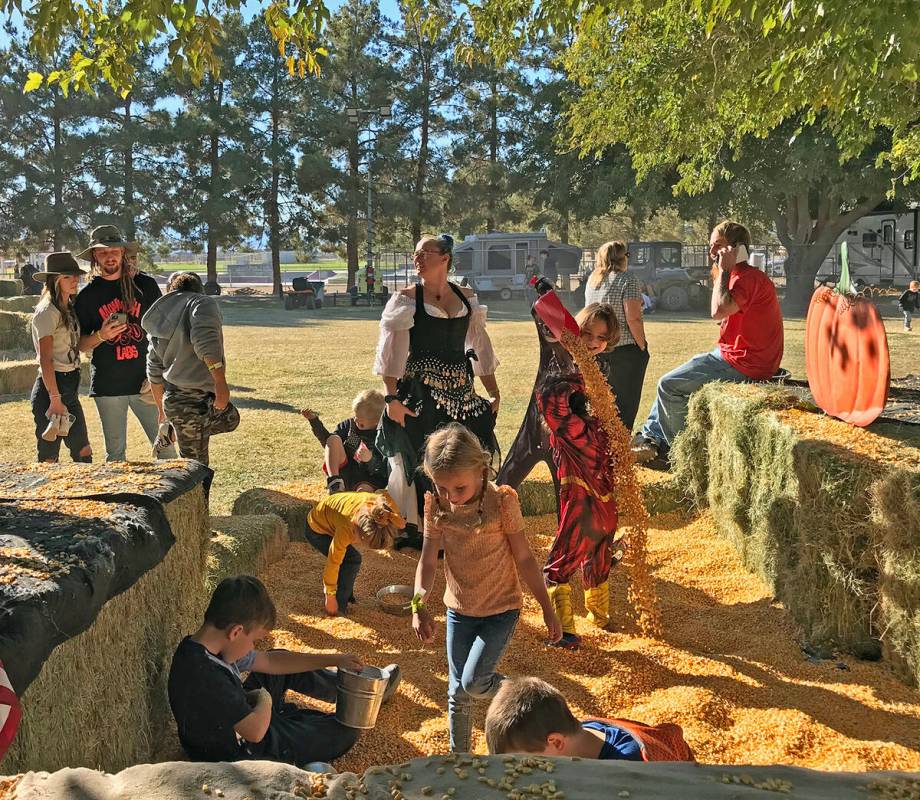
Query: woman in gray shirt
{"x":626,"y":364}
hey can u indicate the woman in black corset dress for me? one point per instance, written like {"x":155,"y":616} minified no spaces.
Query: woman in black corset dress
{"x":433,"y":341}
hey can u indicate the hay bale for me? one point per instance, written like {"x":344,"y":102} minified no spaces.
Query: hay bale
{"x":244,"y":544}
{"x":538,"y":497}
{"x":15,"y":330}
{"x":17,"y":377}
{"x":26,"y":303}
{"x":797,"y":508}
{"x":10,"y":287}
{"x":293,"y":510}
{"x":897,"y":515}
{"x":100,"y":699}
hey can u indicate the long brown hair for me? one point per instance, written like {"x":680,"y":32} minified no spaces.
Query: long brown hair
{"x":51,"y":295}
{"x":610,"y":257}
{"x":125,"y":281}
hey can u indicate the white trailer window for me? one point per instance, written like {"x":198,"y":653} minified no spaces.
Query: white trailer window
{"x":499,"y":258}
{"x":908,"y":240}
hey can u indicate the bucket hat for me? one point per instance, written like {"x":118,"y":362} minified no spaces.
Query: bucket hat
{"x":104,"y":236}
{"x":61,"y":263}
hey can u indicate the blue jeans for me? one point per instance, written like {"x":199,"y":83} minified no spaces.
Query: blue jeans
{"x":474,"y":647}
{"x":669,"y":413}
{"x":908,"y":316}
{"x":113,"y":414}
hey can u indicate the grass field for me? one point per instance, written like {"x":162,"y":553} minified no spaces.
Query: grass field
{"x":281,"y":361}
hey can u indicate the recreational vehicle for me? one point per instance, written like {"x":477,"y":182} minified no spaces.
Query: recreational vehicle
{"x":881,"y":249}
{"x":496,"y":263}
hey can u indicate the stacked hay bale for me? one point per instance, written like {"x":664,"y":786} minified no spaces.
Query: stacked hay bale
{"x":10,"y":288}
{"x":100,"y":697}
{"x":290,"y":508}
{"x":24,"y":303}
{"x":15,"y":331}
{"x":244,"y":544}
{"x":824,"y":513}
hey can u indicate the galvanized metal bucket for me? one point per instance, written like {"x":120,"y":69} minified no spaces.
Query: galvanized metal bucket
{"x":359,"y":696}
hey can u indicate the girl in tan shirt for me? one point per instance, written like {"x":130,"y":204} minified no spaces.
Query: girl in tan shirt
{"x":481,"y":530}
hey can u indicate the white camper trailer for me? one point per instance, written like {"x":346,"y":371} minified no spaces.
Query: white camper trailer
{"x":496,"y":262}
{"x":881,"y":249}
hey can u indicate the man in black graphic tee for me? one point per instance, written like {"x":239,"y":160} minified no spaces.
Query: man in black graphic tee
{"x":109,"y":309}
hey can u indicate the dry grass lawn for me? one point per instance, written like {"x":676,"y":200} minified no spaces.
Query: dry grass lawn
{"x":280,"y":361}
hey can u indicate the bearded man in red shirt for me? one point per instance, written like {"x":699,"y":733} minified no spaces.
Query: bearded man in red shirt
{"x":750,"y":344}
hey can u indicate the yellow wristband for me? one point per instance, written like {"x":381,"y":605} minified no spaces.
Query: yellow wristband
{"x":100,"y":338}
{"x":217,"y":365}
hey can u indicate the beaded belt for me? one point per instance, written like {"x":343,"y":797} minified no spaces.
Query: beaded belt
{"x":449,"y":385}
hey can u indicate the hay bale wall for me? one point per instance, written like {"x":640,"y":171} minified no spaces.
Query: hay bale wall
{"x":100,"y":699}
{"x":17,"y":377}
{"x":293,"y":510}
{"x":15,"y":330}
{"x":896,"y":509}
{"x":244,"y":544}
{"x":10,"y":287}
{"x":811,"y":518}
{"x":26,"y":303}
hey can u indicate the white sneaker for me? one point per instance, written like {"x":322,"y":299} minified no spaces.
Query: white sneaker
{"x":166,"y":436}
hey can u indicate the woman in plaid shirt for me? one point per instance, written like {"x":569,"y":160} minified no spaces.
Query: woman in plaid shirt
{"x":610,"y":283}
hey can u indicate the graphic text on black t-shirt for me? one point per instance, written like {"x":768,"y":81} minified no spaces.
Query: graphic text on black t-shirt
{"x":126,"y":345}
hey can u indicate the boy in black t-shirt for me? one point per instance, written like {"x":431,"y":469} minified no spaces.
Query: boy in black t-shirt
{"x":222,"y":718}
{"x":109,"y":309}
{"x":352,"y":461}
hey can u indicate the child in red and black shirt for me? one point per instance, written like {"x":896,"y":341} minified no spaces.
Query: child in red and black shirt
{"x":587,"y":508}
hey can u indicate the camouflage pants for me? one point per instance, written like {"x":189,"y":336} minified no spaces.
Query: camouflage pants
{"x":192,"y":413}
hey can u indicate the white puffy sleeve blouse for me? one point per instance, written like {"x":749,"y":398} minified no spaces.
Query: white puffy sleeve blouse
{"x":398,"y":318}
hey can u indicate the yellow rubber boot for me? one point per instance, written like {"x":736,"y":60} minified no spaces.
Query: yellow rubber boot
{"x":597,"y":602}
{"x":561,"y":595}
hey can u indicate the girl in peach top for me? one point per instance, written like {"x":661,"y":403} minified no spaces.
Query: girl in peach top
{"x":481,"y":530}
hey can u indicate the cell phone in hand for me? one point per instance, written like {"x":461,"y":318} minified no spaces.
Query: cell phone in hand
{"x":119,"y":318}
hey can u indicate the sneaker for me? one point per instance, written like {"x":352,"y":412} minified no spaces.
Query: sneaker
{"x":411,"y":538}
{"x":335,"y":484}
{"x":569,"y":641}
{"x":166,"y":436}
{"x":394,"y":677}
{"x":53,"y":429}
{"x":643,"y":449}
{"x":660,"y":463}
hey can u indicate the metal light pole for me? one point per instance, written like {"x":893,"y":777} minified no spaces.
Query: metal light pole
{"x":356,"y":116}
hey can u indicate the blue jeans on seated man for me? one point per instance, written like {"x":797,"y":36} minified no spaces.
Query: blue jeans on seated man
{"x":113,"y":414}
{"x":474,"y":648}
{"x":669,"y":413}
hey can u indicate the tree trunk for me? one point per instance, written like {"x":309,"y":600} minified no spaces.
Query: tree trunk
{"x":421,"y":170}
{"x":57,"y":233}
{"x":351,"y":231}
{"x":274,"y":233}
{"x":564,"y":227}
{"x":214,"y":189}
{"x":802,"y":264}
{"x":493,"y":157}
{"x":808,"y":240}
{"x":128,"y":219}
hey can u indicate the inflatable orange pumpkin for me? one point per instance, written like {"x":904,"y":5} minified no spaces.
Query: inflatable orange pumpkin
{"x":846,"y":352}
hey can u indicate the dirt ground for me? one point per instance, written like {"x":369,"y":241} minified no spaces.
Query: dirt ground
{"x":728,"y":668}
